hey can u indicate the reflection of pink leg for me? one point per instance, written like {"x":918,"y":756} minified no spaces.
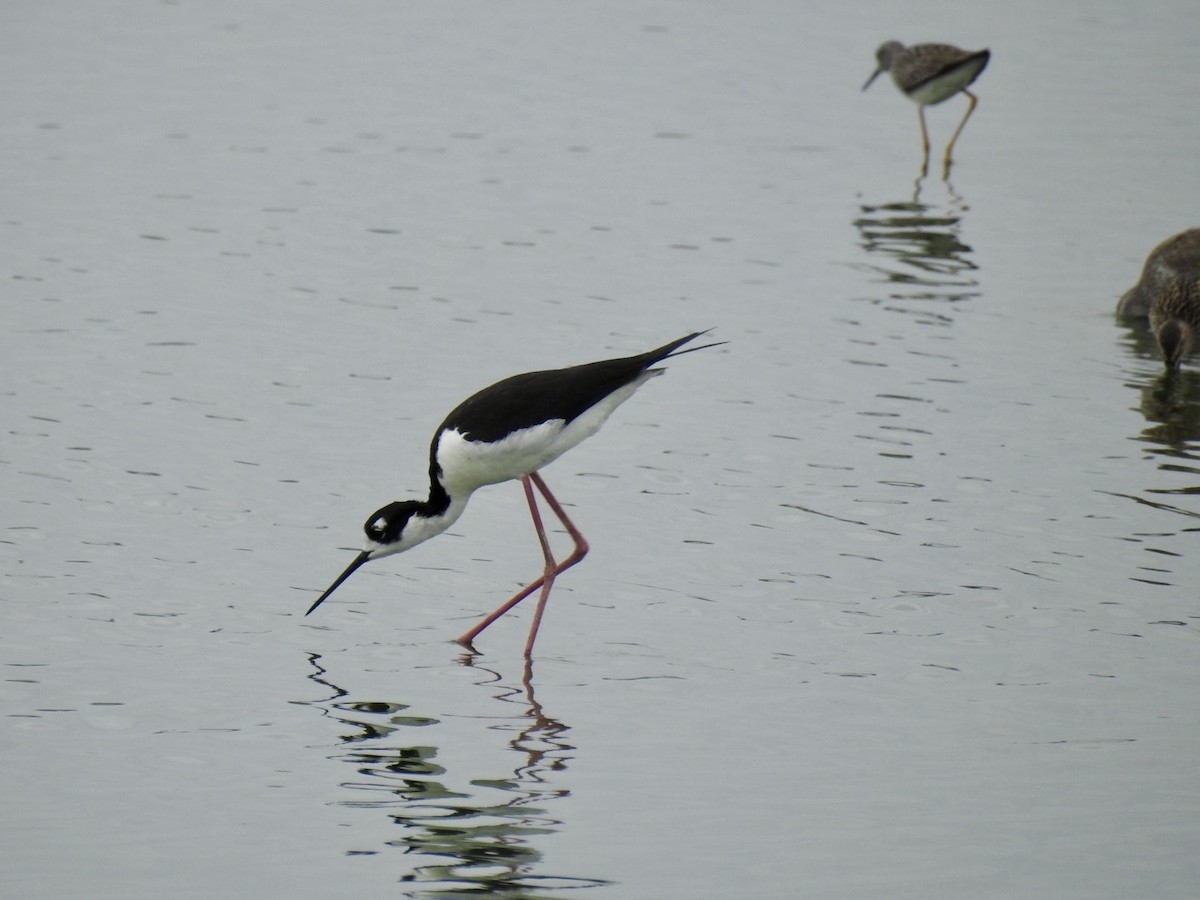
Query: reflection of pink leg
{"x":552,"y":570}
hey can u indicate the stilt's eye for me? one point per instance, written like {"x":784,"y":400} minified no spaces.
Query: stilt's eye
{"x":383,"y":528}
{"x":387,"y":524}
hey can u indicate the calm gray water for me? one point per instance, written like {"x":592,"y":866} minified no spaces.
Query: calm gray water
{"x":894,"y":596}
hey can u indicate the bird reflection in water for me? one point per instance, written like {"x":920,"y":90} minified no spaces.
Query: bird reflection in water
{"x":918,"y":251}
{"x":1170,"y":401}
{"x":481,"y":839}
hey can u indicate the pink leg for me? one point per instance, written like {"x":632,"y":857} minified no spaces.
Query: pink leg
{"x":552,"y":570}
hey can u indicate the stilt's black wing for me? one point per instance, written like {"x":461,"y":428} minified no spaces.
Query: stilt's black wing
{"x":531,"y":398}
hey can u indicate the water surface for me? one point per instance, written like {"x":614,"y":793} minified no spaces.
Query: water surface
{"x":894,"y":595}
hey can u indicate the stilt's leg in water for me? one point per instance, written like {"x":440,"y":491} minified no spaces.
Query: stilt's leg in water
{"x":552,"y":569}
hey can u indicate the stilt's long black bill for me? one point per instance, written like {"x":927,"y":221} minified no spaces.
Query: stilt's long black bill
{"x":358,"y":561}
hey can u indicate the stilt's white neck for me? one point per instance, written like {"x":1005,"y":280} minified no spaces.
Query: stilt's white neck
{"x":421,"y":527}
{"x":424,"y":520}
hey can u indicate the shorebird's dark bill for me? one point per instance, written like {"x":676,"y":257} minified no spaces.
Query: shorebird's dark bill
{"x":358,"y":561}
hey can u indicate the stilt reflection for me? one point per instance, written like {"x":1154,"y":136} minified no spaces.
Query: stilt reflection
{"x":463,"y":833}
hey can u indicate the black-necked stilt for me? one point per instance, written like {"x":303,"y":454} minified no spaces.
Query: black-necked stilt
{"x":928,"y":74}
{"x":1178,"y":255}
{"x":509,"y":431}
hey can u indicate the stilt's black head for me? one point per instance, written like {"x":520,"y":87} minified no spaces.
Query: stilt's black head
{"x":394,"y":528}
{"x":386,"y":525}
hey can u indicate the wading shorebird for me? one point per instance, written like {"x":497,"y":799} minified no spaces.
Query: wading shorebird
{"x":506,"y":432}
{"x":928,"y":74}
{"x":1169,"y":293}
{"x":1177,"y":255}
{"x":1175,"y":318}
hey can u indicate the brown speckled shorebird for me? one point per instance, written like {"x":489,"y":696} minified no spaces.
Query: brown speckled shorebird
{"x":1169,"y":292}
{"x":1176,"y":256}
{"x":928,"y":74}
{"x":1175,"y":318}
